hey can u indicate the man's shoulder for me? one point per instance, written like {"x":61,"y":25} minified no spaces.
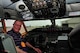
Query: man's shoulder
{"x":10,"y":32}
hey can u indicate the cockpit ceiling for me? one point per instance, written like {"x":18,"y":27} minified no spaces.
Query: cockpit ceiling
{"x":73,"y":5}
{"x":72,"y":1}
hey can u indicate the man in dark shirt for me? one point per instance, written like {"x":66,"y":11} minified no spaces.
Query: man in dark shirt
{"x":19,"y":41}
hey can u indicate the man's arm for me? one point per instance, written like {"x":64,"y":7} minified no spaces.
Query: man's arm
{"x":36,"y":49}
{"x":19,"y":50}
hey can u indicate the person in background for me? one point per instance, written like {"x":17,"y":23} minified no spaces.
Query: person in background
{"x":21,"y":44}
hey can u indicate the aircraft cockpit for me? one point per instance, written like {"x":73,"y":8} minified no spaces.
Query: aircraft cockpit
{"x":50,"y":25}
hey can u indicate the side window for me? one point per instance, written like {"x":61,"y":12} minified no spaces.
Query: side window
{"x":9,"y":24}
{"x":1,"y":27}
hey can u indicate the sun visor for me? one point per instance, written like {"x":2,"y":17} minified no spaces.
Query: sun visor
{"x":12,"y":14}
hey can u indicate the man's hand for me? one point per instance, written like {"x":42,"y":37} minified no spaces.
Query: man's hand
{"x":38,"y":50}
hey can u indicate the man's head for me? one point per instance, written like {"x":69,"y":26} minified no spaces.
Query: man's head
{"x":17,"y":25}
